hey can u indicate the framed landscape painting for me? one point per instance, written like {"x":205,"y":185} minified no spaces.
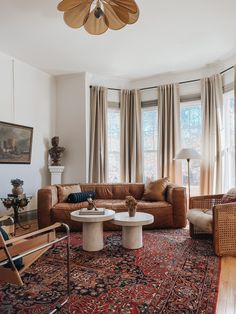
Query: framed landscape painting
{"x":15,"y":143}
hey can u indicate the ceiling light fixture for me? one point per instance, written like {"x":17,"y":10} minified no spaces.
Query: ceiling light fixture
{"x":98,"y":15}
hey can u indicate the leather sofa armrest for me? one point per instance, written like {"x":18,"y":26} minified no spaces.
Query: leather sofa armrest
{"x":47,"y":198}
{"x":176,"y":195}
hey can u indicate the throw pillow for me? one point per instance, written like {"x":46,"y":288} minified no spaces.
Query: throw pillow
{"x":4,"y":234}
{"x":65,"y":190}
{"x":19,"y":262}
{"x":229,"y":197}
{"x":80,"y":197}
{"x":155,"y":190}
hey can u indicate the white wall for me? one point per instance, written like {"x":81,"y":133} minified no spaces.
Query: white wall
{"x":27,"y":98}
{"x":72,"y":123}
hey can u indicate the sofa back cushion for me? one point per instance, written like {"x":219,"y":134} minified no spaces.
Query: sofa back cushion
{"x":115,"y":191}
{"x":102,"y":191}
{"x":64,"y":190}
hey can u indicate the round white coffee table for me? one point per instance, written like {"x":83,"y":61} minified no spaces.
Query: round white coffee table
{"x":132,"y":235}
{"x":93,"y":228}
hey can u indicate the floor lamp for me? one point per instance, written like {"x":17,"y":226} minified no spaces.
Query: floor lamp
{"x":188,"y":153}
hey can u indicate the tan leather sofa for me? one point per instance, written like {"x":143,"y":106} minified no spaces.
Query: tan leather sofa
{"x":170,"y":213}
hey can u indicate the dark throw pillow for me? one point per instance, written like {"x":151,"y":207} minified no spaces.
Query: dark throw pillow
{"x":80,"y":197}
{"x":4,"y":234}
{"x":19,"y":262}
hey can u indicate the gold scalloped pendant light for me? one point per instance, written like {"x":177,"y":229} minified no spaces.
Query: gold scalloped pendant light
{"x":98,"y":15}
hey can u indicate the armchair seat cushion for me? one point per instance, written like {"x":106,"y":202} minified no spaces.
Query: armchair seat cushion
{"x":201,"y":218}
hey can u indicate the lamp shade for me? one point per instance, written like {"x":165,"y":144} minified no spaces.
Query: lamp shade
{"x":188,"y":153}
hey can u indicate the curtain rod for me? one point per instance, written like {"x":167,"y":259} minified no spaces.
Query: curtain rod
{"x":183,"y":82}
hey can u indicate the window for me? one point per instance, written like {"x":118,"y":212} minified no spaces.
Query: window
{"x":150,"y":134}
{"x":113,"y":145}
{"x":190,"y":124}
{"x":228,"y":142}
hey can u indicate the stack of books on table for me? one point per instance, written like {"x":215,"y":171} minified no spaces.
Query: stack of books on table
{"x":97,"y":211}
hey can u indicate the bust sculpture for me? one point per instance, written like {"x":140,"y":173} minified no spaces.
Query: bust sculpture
{"x":56,"y":152}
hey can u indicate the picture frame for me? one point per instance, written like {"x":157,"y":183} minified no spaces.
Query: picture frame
{"x":15,"y":143}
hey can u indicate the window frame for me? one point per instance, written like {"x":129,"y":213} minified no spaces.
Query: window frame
{"x":115,"y":107}
{"x":190,"y":101}
{"x":227,"y":149}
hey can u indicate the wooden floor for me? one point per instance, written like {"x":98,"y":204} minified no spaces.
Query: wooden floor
{"x":226,"y":303}
{"x":227,"y":294}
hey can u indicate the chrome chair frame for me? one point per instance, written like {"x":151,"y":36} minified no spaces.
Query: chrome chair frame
{"x":11,"y":259}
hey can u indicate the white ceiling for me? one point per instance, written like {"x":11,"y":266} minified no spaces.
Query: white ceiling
{"x":170,"y":35}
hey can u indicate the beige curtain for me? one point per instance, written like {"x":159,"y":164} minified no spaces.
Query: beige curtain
{"x":212,"y":102}
{"x":235,"y":125}
{"x":98,"y":135}
{"x":131,"y":152}
{"x":169,"y":131}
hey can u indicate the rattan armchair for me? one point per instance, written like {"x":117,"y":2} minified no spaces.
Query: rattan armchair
{"x":223,"y":223}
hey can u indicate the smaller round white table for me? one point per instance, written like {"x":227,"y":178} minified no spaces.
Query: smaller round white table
{"x":93,"y":229}
{"x":132,"y":235}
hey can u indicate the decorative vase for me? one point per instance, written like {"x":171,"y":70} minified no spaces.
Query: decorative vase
{"x":17,"y":189}
{"x":132,"y":211}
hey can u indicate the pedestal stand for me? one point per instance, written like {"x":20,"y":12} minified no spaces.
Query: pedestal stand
{"x":56,"y":173}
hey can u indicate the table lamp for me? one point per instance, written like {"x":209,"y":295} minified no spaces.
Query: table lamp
{"x":188,"y":153}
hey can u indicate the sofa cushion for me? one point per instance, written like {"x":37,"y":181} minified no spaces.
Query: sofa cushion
{"x":201,"y":218}
{"x":155,"y":190}
{"x":103,"y":204}
{"x":229,"y":197}
{"x":136,"y":190}
{"x":152,"y":205}
{"x":119,"y":205}
{"x":142,"y":205}
{"x":80,"y":197}
{"x":69,"y":206}
{"x":120,"y":191}
{"x":65,"y":190}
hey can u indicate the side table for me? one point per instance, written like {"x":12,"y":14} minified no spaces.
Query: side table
{"x":93,"y":229}
{"x":132,"y":234}
{"x":17,"y":202}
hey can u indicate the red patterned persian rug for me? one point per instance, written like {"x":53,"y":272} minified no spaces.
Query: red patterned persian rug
{"x":172,"y":273}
